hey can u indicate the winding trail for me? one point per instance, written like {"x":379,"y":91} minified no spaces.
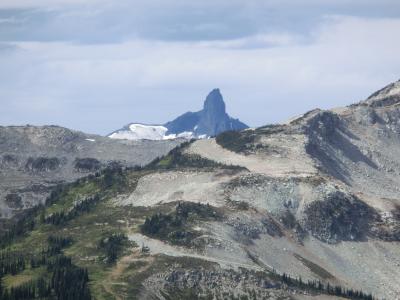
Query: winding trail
{"x":159,"y":247}
{"x":114,"y":277}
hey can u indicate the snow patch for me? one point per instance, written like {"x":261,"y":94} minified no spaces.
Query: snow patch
{"x":140,"y":131}
{"x":149,"y":132}
{"x":186,"y":135}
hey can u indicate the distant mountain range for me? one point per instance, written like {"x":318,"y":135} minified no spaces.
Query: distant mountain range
{"x":209,"y":121}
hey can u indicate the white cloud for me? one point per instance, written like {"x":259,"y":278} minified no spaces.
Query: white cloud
{"x":264,"y":77}
{"x":105,"y":21}
{"x":44,"y":3}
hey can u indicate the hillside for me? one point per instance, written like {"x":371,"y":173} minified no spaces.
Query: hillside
{"x":308,"y":209}
{"x":33,"y":159}
{"x":108,"y":245}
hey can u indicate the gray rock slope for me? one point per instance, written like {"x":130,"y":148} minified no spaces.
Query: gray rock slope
{"x":320,"y":199}
{"x":33,"y":159}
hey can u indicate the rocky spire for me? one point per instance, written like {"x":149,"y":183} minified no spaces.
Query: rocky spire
{"x":214,"y":104}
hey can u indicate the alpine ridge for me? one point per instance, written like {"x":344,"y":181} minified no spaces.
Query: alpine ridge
{"x":34,"y":159}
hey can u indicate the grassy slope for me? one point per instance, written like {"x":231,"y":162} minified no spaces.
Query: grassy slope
{"x":87,"y":229}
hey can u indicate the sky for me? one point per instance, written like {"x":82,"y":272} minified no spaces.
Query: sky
{"x":96,"y":65}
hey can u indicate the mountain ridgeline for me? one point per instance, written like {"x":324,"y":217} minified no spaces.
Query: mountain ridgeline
{"x":304,"y":210}
{"x":210,"y":121}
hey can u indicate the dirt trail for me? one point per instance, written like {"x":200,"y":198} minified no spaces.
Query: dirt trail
{"x":114,"y":277}
{"x":157,"y":247}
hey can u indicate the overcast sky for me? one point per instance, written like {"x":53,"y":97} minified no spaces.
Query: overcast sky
{"x":96,"y":65}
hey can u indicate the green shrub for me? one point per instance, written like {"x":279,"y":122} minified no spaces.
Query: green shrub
{"x":236,"y":141}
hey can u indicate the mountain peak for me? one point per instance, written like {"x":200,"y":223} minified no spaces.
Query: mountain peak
{"x":209,"y":121}
{"x":388,"y":95}
{"x":214,"y":103}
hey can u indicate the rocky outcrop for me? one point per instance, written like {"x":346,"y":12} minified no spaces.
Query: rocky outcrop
{"x":387,"y":96}
{"x":43,"y":164}
{"x":215,"y":283}
{"x":87,"y":164}
{"x":14,"y":201}
{"x":339,"y":217}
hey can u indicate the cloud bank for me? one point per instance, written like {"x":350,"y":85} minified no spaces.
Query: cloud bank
{"x":97,"y":65}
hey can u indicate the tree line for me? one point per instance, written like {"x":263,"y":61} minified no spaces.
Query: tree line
{"x":113,"y":245}
{"x":318,"y":286}
{"x":66,"y":281}
{"x":83,"y":206}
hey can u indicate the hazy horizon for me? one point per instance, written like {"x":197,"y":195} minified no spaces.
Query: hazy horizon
{"x":97,"y":65}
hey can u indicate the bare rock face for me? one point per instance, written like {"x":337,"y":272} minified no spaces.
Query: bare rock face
{"x":43,"y":164}
{"x":14,"y":201}
{"x":323,"y":124}
{"x":218,"y":283}
{"x":387,"y":96}
{"x":339,"y":217}
{"x":87,"y":164}
{"x":387,"y":226}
